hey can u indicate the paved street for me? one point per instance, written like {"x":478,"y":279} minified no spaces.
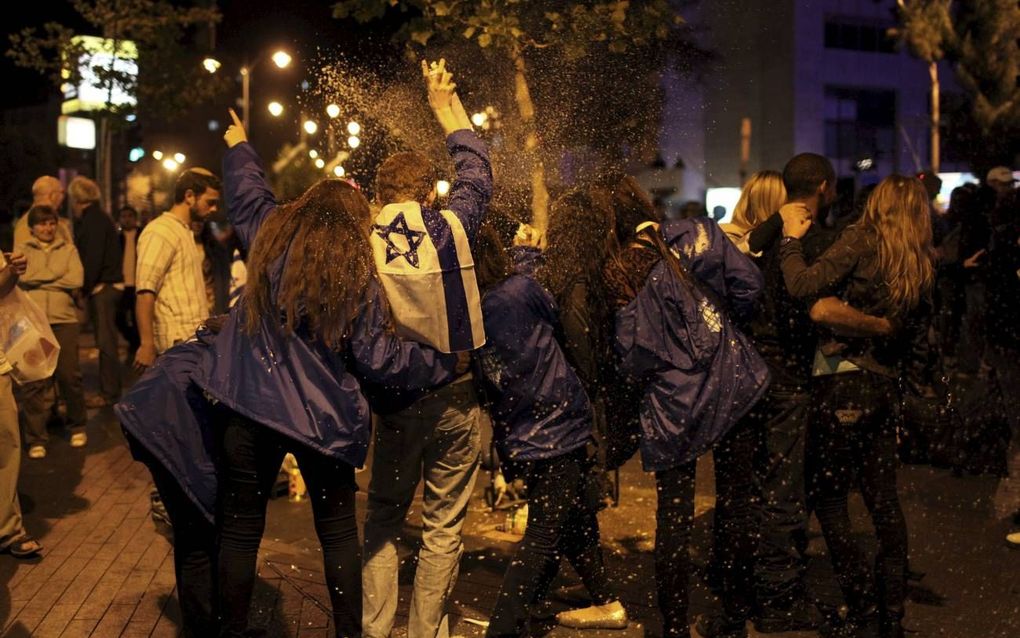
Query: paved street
{"x":106,"y":571}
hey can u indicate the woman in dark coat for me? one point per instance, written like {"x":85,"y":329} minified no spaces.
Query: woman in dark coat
{"x":884,"y":266}
{"x":289,"y":362}
{"x":698,"y":376}
{"x":542,"y":422}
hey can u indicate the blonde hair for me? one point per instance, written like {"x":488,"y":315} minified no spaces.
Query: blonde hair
{"x":899,"y":212}
{"x":83,"y":189}
{"x":761,"y":197}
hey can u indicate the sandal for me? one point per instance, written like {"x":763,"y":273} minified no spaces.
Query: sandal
{"x":24,"y":547}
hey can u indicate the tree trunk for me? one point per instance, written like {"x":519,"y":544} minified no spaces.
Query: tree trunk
{"x":532,"y":147}
{"x":936,"y":160}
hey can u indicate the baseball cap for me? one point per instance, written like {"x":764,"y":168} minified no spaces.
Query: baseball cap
{"x":1001,"y":175}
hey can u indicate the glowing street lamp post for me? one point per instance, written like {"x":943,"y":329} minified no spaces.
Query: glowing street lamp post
{"x":281,"y":59}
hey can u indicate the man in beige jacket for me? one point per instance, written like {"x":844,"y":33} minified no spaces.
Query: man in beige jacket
{"x":53,"y":274}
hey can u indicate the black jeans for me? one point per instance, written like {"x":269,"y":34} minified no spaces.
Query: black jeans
{"x":781,"y":419}
{"x":561,"y":522}
{"x":250,"y":461}
{"x":103,"y":311}
{"x":736,"y":530}
{"x":853,"y":442}
{"x":194,"y":541}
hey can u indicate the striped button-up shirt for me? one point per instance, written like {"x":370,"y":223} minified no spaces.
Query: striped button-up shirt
{"x":170,"y":265}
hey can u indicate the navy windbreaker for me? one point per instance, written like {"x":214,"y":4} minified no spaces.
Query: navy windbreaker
{"x":691,"y":394}
{"x":538,"y":405}
{"x":292,"y":383}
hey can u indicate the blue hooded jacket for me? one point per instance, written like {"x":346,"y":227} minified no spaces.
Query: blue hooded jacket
{"x":166,"y":414}
{"x":538,"y":405}
{"x":699,"y":373}
{"x":293,"y":383}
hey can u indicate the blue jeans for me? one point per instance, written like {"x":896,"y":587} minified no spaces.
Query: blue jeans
{"x":436,"y":439}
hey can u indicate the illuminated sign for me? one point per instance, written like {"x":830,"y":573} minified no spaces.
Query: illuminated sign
{"x":76,"y":132}
{"x":91,"y":93}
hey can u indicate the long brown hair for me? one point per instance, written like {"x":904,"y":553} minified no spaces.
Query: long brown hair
{"x":319,"y":245}
{"x":580,"y":236}
{"x":899,"y":213}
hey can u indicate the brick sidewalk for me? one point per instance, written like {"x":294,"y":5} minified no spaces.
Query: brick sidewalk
{"x":106,"y":571}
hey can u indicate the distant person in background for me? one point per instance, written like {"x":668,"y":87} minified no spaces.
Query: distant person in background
{"x":126,"y":323}
{"x":99,"y":249}
{"x":54,"y":274}
{"x":762,"y":196}
{"x":46,"y":191}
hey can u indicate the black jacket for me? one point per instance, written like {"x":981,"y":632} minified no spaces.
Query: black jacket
{"x":99,"y":247}
{"x":850,"y":270}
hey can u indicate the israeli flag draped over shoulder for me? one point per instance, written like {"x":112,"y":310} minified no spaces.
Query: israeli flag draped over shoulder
{"x":424,"y":262}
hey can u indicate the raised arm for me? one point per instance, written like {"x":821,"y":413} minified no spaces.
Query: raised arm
{"x":824,"y":276}
{"x":472,"y":186}
{"x":246,"y":192}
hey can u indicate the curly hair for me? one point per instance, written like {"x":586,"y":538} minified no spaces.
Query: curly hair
{"x":580,"y":237}
{"x":318,"y":246}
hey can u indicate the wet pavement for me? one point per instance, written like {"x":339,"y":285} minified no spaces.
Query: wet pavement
{"x":107,"y":571}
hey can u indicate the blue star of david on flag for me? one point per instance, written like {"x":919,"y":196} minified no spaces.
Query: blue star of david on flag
{"x":399,"y":226}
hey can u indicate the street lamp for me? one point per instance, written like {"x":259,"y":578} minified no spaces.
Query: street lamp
{"x":333,"y":111}
{"x":314,"y":154}
{"x":320,"y":163}
{"x":282,"y":60}
{"x":212,"y":65}
{"x":339,"y":171}
{"x":275,"y":109}
{"x":170,"y":165}
{"x":353,"y":128}
{"x":157,"y":155}
{"x":353,"y":141}
{"x":310,"y":127}
{"x":179,"y":158}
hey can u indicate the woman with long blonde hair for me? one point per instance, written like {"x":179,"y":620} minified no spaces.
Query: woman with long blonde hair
{"x":884,"y":266}
{"x":762,"y":196}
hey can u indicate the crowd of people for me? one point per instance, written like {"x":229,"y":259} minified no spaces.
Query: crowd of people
{"x":786,"y":342}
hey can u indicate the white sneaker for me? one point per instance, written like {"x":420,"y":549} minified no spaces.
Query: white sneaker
{"x":37,"y":452}
{"x":79,"y":439}
{"x":609,"y":616}
{"x":1013,"y":540}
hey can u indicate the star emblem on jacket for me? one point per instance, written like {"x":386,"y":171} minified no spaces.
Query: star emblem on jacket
{"x":413,"y":238}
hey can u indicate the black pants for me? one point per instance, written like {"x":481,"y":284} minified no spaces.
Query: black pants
{"x":126,"y":323}
{"x":251,"y":458}
{"x":561,"y":522}
{"x":781,"y":419}
{"x":103,"y":311}
{"x":35,"y":398}
{"x":853,"y":442}
{"x":194,"y":542}
{"x":736,"y":533}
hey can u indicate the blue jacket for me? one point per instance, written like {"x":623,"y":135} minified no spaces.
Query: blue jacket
{"x":292,"y":383}
{"x":166,"y":414}
{"x":699,"y":373}
{"x":538,"y":405}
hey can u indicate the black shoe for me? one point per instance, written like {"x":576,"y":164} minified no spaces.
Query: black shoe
{"x":721,"y":626}
{"x":801,"y":615}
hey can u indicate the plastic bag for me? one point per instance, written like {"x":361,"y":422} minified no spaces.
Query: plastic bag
{"x":26,"y":338}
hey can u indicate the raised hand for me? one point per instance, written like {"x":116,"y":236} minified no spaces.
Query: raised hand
{"x":443,"y":99}
{"x":235,"y":133}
